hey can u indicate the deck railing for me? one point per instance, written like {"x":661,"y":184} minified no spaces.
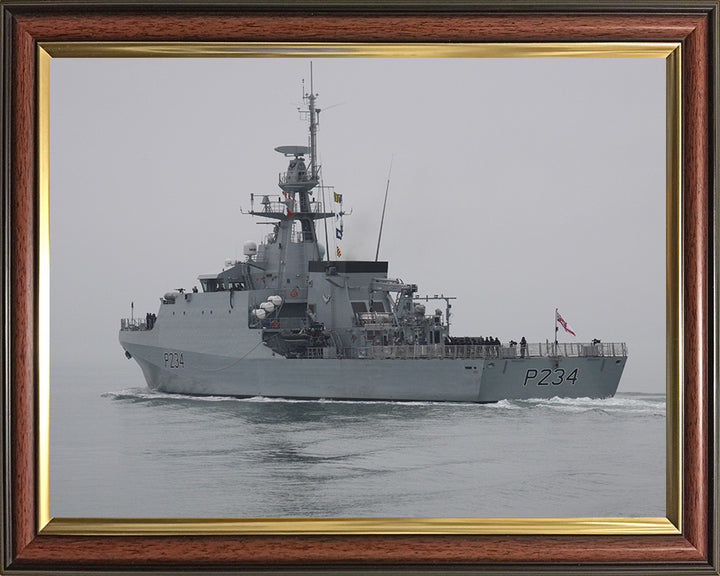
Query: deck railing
{"x":273,"y":207}
{"x":548,"y":350}
{"x":132,"y":324}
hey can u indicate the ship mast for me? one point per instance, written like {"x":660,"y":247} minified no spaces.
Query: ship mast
{"x":314,"y":114}
{"x":297,"y":184}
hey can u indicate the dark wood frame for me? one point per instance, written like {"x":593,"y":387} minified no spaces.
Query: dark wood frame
{"x":692,"y":23}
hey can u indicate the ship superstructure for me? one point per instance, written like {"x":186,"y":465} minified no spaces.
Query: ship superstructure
{"x":289,"y":322}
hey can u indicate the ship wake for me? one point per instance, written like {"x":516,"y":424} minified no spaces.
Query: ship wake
{"x":652,"y":405}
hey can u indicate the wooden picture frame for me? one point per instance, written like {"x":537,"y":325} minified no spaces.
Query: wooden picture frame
{"x":28,"y":544}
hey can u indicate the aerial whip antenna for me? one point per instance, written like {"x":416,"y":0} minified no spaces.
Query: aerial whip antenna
{"x":382,"y":219}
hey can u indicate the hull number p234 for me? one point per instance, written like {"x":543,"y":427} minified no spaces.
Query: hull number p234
{"x":174,"y":360}
{"x":547,"y":377}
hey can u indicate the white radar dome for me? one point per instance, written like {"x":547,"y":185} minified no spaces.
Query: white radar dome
{"x":250,"y":248}
{"x":267,"y":306}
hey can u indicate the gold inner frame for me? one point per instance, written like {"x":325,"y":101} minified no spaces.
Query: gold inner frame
{"x":671,"y":524}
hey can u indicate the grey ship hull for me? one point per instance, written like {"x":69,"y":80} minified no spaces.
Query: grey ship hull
{"x":432,"y":379}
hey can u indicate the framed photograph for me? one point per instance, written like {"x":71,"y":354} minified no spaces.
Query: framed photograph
{"x":472,"y":241}
{"x":558,"y":159}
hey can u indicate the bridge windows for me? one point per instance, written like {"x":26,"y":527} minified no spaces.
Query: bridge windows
{"x":221,"y":284}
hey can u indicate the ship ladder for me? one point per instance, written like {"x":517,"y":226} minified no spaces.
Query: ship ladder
{"x":339,"y":348}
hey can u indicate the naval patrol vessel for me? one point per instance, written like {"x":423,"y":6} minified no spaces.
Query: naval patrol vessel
{"x":289,"y":322}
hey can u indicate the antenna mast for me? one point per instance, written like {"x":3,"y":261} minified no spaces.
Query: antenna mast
{"x":313,"y":112}
{"x":382,"y":219}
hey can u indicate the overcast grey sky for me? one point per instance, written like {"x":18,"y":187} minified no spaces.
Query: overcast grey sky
{"x":518,"y":185}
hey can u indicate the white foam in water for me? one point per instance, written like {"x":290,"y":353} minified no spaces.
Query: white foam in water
{"x":147,"y":394}
{"x":617,"y":404}
{"x":505,"y":405}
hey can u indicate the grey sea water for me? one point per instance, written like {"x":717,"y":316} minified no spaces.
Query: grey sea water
{"x":118,"y":449}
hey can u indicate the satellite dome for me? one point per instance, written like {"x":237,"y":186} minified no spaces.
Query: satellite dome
{"x":250,"y":248}
{"x":267,"y":306}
